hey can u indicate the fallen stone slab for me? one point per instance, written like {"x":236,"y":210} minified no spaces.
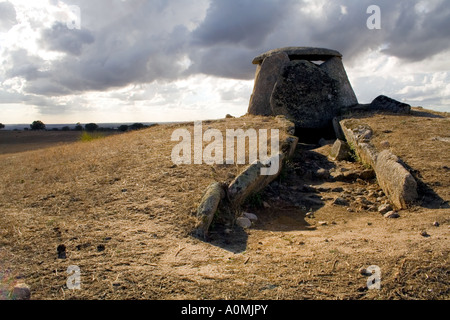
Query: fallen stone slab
{"x":396,"y":181}
{"x":254,"y":178}
{"x":358,"y":138}
{"x":379,"y":104}
{"x":251,"y":180}
{"x":209,"y":204}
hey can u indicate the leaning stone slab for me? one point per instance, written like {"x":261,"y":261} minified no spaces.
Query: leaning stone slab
{"x":397,"y":183}
{"x":208,"y":207}
{"x":267,"y":74}
{"x":340,"y":151}
{"x":337,"y":128}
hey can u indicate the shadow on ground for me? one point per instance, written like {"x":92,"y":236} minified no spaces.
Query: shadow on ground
{"x":428,"y":198}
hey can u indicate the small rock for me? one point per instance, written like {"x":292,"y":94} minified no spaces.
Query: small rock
{"x":250,"y":216}
{"x":364,"y":200}
{"x":322,"y":173}
{"x":340,"y":201}
{"x":100,"y":248}
{"x":350,"y":210}
{"x":385,"y":144}
{"x":266,"y":205}
{"x":436,"y":224}
{"x":337,"y":189}
{"x":21,"y":292}
{"x":362,"y":289}
{"x":323,"y":223}
{"x":364,"y":272}
{"x":310,"y":215}
{"x":384,"y":208}
{"x":424,"y":234}
{"x":391,"y":215}
{"x":243,"y":222}
{"x":61,"y":251}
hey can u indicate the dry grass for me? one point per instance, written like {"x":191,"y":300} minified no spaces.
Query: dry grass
{"x":123,"y":193}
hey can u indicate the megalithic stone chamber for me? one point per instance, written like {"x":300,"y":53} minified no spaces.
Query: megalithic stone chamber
{"x":307,"y":85}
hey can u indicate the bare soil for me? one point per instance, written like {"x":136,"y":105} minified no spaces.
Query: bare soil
{"x":125,"y":214}
{"x":20,"y":141}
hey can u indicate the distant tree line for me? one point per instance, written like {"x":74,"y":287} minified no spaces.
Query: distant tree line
{"x":37,"y":125}
{"x":90,"y":127}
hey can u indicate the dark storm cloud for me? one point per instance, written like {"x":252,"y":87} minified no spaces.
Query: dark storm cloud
{"x":61,"y":38}
{"x":20,"y":63}
{"x":420,"y":31}
{"x":138,"y":41}
{"x":244,"y":22}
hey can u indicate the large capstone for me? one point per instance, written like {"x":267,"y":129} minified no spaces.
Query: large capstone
{"x":307,"y":85}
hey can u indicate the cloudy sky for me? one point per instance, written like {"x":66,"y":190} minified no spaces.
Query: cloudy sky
{"x":173,"y":60}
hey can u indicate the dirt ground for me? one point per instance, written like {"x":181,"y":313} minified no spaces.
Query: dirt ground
{"x":20,"y":141}
{"x":125,"y":215}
